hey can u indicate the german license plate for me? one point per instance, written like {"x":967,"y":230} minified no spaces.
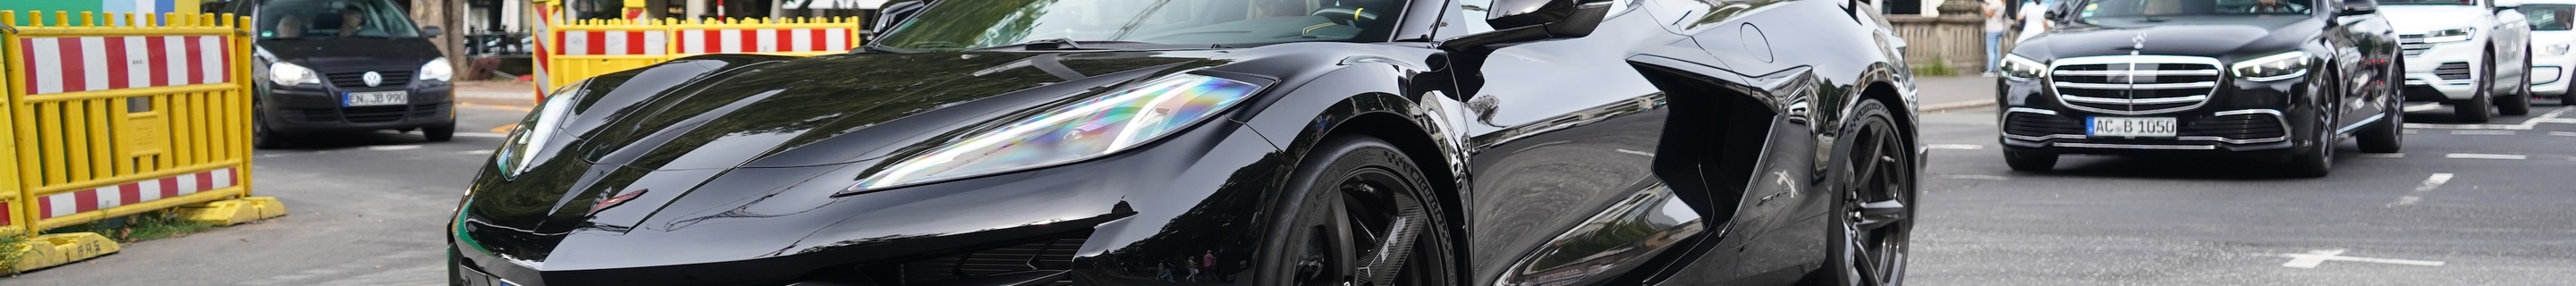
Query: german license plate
{"x":2130,"y":127}
{"x":374,"y":98}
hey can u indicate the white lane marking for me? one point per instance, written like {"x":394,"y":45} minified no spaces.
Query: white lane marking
{"x":1974,"y":177}
{"x":2424,"y":107}
{"x":2388,"y":155}
{"x":392,"y":147}
{"x":2562,"y":133}
{"x":1635,"y":152}
{"x":476,"y":152}
{"x":2314,"y":258}
{"x":1958,"y":146}
{"x":2429,"y":184}
{"x":2485,"y":156}
{"x":2481,"y":132}
{"x":481,"y":135}
{"x":2410,"y":131}
{"x":2551,"y":117}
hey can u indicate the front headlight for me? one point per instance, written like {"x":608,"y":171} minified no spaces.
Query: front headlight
{"x":2273,"y":67}
{"x":2451,"y":35}
{"x":287,"y":74}
{"x":2553,"y":50}
{"x":2019,"y":67}
{"x":437,"y":70}
{"x":1091,"y":128}
{"x":521,"y":150}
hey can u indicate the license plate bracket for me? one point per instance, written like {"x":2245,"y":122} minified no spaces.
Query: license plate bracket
{"x":2132,"y":127}
{"x":375,"y":98}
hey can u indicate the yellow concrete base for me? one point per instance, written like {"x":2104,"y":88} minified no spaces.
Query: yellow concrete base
{"x":62,"y":248}
{"x":234,"y":211}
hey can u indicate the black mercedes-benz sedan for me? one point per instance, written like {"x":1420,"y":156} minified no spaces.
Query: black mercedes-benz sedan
{"x":1252,"y":142}
{"x":2283,"y":79}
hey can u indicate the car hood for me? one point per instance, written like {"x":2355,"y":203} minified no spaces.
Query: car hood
{"x":2194,"y":36}
{"x":771,"y":138}
{"x":336,"y":54}
{"x":2418,"y":19}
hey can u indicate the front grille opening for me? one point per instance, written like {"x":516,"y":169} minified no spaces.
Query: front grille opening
{"x":2131,"y":85}
{"x":2452,"y":71}
{"x":2034,"y":124}
{"x":374,"y":113}
{"x":1051,"y":253}
{"x":357,"y":79}
{"x":2413,"y":45}
{"x":2235,"y":127}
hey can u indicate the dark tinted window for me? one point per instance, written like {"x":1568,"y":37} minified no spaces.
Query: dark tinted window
{"x":2171,"y":8}
{"x":2548,"y":17}
{"x":294,"y":19}
{"x":989,"y":23}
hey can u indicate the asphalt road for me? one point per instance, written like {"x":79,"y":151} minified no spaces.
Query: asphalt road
{"x":368,"y":209}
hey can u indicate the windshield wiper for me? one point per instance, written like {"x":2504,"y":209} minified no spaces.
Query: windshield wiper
{"x":1061,"y":44}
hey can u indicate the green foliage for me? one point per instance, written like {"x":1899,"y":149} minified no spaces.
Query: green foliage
{"x":146,"y":226}
{"x":1938,"y":67}
{"x":10,"y":251}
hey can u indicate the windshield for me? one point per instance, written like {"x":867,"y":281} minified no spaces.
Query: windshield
{"x":966,"y":25}
{"x":2548,"y":17}
{"x":2151,"y":10}
{"x":2428,"y":2}
{"x":300,"y":19}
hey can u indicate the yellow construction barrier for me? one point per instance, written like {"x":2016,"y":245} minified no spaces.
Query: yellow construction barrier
{"x":572,"y":50}
{"x":109,"y":115}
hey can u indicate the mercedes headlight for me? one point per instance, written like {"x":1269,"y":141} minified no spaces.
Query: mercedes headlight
{"x":1091,"y":128}
{"x":287,"y":74}
{"x":2553,"y":50}
{"x":522,"y":148}
{"x":2273,"y":67}
{"x":2019,"y":67}
{"x":437,"y":70}
{"x":2451,"y":35}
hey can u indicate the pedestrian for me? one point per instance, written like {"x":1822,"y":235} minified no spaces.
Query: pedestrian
{"x":1995,"y":25}
{"x":2033,"y":18}
{"x":895,"y":15}
{"x":1207,"y":262}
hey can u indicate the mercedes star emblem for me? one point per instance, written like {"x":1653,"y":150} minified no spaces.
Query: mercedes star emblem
{"x":373,"y":79}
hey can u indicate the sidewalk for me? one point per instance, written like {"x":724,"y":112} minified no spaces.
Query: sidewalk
{"x":1946,"y":93}
{"x":497,"y":92}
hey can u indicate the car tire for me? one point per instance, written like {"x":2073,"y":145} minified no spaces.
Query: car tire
{"x":2479,"y":108}
{"x":2519,"y":102}
{"x":2389,"y":134}
{"x":261,"y":137}
{"x":441,"y":133}
{"x":2318,"y":161}
{"x":1871,"y":233}
{"x":2029,"y":160}
{"x":1347,"y":188}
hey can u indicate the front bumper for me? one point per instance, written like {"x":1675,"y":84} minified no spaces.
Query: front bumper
{"x":2444,"y":71}
{"x":2240,"y":117}
{"x":319,"y":108}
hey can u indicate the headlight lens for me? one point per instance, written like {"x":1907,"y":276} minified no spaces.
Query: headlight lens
{"x":2553,"y":50}
{"x":2273,"y":67}
{"x":290,"y":74}
{"x":1091,"y":128}
{"x":520,"y":150}
{"x":2019,"y":67}
{"x":437,"y":70}
{"x":2451,"y":35}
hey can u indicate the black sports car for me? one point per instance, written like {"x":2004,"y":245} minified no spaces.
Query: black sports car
{"x":1268,"y":142}
{"x":2278,"y":79}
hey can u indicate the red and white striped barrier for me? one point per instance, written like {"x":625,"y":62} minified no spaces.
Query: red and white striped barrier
{"x":74,"y":202}
{"x":613,"y":42}
{"x":725,"y":41}
{"x":76,"y":64}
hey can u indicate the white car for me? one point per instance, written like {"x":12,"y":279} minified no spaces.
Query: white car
{"x":2472,"y":54}
{"x":2553,"y":68}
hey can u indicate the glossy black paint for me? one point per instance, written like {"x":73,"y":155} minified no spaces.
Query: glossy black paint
{"x":739,"y":165}
{"x":2352,"y":66}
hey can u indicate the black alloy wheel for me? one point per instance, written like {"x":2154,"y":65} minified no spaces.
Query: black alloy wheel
{"x":2518,"y":103}
{"x":2319,"y":159}
{"x":2389,"y":135}
{"x":1364,"y":215}
{"x":2481,"y":104}
{"x":1875,"y":204}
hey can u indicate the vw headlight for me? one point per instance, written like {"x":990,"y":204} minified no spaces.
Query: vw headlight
{"x":2451,"y":35}
{"x":437,"y":70}
{"x":2019,"y":67}
{"x":1087,"y":129}
{"x":2273,"y":67}
{"x":287,"y":74}
{"x":522,"y":148}
{"x":2553,"y":50}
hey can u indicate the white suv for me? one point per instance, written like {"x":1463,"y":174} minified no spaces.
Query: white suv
{"x":2472,"y":54}
{"x":2553,"y":32}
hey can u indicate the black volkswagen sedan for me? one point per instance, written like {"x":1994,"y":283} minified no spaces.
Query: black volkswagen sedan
{"x":344,"y":65}
{"x":2284,"y":79}
{"x":1253,"y":142}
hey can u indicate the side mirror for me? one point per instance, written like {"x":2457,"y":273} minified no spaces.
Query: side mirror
{"x":2506,"y":4}
{"x":431,"y":32}
{"x":1521,"y":21}
{"x":2359,"y":7}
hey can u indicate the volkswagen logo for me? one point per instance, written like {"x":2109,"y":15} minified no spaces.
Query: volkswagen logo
{"x":373,"y":79}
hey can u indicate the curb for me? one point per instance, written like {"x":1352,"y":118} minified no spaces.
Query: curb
{"x":1957,"y":106}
